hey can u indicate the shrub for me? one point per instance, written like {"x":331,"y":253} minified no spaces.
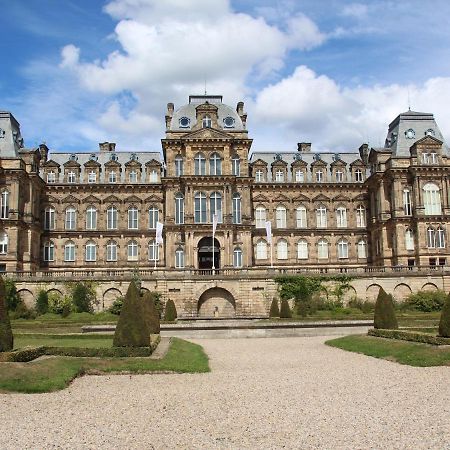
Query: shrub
{"x":444,"y":322}
{"x":83,"y":297}
{"x":365,"y":306}
{"x":12,"y":297}
{"x":274,"y":310}
{"x":285,"y":310}
{"x":58,"y":303}
{"x":132,"y":327}
{"x":116,"y":307}
{"x":42,"y":302}
{"x":412,"y":336}
{"x":6,"y":336}
{"x":170,"y":313}
{"x":384,"y":316}
{"x":426,"y":301}
{"x":23,"y":312}
{"x":151,"y":313}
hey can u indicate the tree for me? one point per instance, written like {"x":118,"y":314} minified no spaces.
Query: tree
{"x":274,"y":310}
{"x":170,"y":313}
{"x":132,"y":328}
{"x":83,"y":297}
{"x":151,"y":313}
{"x":6,"y":336}
{"x":285,"y":311}
{"x":384,"y":316}
{"x":444,"y":322}
{"x":42,"y":302}
{"x":12,"y":297}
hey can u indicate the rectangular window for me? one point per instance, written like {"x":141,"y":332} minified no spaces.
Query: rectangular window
{"x":133,"y":219}
{"x":407,"y":207}
{"x":281,"y":217}
{"x":70,"y":219}
{"x":341,"y":218}
{"x":259,"y":176}
{"x":153,"y":176}
{"x":339,"y":176}
{"x":69,"y":253}
{"x":301,"y":217}
{"x":111,"y":252}
{"x":299,"y":176}
{"x":92,"y":177}
{"x":279,"y":176}
{"x":260,"y":217}
{"x":153,"y":215}
{"x":179,"y":259}
{"x":319,"y":176}
{"x":51,"y":177}
{"x":71,"y":177}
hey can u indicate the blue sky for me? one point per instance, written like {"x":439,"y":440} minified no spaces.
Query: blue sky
{"x":75,"y":73}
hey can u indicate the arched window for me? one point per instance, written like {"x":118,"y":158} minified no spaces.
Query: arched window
{"x":237,"y":218}
{"x":49,"y":251}
{"x":179,"y":208}
{"x":3,"y":243}
{"x":431,"y":237}
{"x":302,"y":249}
{"x":179,"y":258}
{"x":199,"y":164}
{"x":49,"y":218}
{"x":70,"y":220}
{"x":281,"y":216}
{"x":91,"y":218}
{"x":440,"y":238}
{"x":236,"y":166}
{"x":69,"y":251}
{"x":133,"y":218}
{"x":91,"y":251}
{"x":215,"y":164}
{"x":407,"y":206}
{"x":4,"y":205}
{"x":260,"y":217}
{"x":322,"y":249}
{"x":261,"y":249}
{"x":200,"y":207}
{"x":111,"y":251}
{"x":409,"y":239}
{"x":237,"y":258}
{"x":432,"y":199}
{"x":361,"y":216}
{"x":153,"y":217}
{"x":112,"y":177}
{"x":282,"y":249}
{"x":111,"y":218}
{"x":215,"y":206}
{"x":132,"y":250}
{"x":153,"y":251}
{"x":132,"y":176}
{"x":341,"y":217}
{"x":321,"y":217}
{"x":362,"y":249}
{"x":206,"y":122}
{"x":301,"y":217}
{"x":179,"y":166}
{"x":342,"y":249}
{"x":51,"y":177}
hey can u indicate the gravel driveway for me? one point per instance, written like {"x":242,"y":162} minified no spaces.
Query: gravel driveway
{"x":261,"y":393}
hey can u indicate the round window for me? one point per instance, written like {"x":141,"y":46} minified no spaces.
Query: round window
{"x":184,"y":122}
{"x":410,"y":134}
{"x":229,"y":122}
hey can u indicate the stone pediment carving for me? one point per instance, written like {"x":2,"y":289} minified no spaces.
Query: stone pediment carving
{"x":111,"y":199}
{"x":112,"y":164}
{"x":358,"y":162}
{"x":133,"y":163}
{"x":341,"y":198}
{"x":51,"y":199}
{"x":428,"y":140}
{"x":259,"y":162}
{"x":72,"y":163}
{"x":321,"y":198}
{"x":50,"y":163}
{"x":153,"y":162}
{"x":338,"y":163}
{"x":91,"y":199}
{"x":318,"y":163}
{"x":70,"y":199}
{"x":260,"y":198}
{"x":153,"y":199}
{"x":360,"y":197}
{"x":281,"y":198}
{"x":301,"y":198}
{"x":132,"y":199}
{"x":206,"y":133}
{"x":299,"y":163}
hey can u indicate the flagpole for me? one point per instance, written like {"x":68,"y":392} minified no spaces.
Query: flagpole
{"x":156,"y":252}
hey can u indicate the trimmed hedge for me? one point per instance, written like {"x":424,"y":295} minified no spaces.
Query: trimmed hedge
{"x":274,"y":310}
{"x":22,"y":355}
{"x":285,"y":310}
{"x":6,"y":335}
{"x":384,"y":315}
{"x":444,"y":322}
{"x":151,"y":313}
{"x":170,"y":314}
{"x":412,"y":336}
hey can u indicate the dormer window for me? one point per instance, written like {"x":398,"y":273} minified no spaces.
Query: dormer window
{"x":133,"y":176}
{"x":93,"y":157}
{"x":71,"y":177}
{"x":259,"y":176}
{"x":319,"y":176}
{"x":113,"y":157}
{"x":358,"y":176}
{"x":112,"y":177}
{"x":339,"y":176}
{"x":51,"y":177}
{"x":73,"y":157}
{"x":184,"y":122}
{"x":133,"y":157}
{"x":207,"y":122}
{"x":299,"y":176}
{"x":92,"y":177}
{"x":279,"y":176}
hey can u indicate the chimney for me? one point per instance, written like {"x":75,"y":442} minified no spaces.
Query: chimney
{"x":304,"y":147}
{"x":107,"y":146}
{"x":170,"y":108}
{"x":240,"y":108}
{"x":364,"y":153}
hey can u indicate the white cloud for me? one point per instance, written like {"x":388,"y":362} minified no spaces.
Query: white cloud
{"x":356,"y":10}
{"x":70,"y":56}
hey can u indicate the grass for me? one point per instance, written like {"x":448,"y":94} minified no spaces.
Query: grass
{"x":409,"y":353}
{"x":63,"y":340}
{"x":52,"y":374}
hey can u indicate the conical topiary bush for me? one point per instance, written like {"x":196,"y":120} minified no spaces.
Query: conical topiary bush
{"x":6,"y":336}
{"x":132,"y":328}
{"x":285,"y":310}
{"x":274,"y":310}
{"x":151,"y":313}
{"x":444,"y":323}
{"x":384,"y":316}
{"x":170,"y":314}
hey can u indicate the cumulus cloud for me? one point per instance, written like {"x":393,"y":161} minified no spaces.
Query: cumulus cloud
{"x":70,"y":56}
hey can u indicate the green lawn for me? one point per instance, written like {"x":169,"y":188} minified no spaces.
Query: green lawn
{"x":55,"y":373}
{"x":63,"y":340}
{"x":410,"y":353}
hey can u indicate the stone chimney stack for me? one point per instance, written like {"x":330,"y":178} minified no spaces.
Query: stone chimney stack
{"x":107,"y":146}
{"x":169,"y":115}
{"x":304,"y":147}
{"x":364,"y":153}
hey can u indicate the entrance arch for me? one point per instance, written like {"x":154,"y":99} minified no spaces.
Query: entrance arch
{"x":206,"y":248}
{"x":216,"y":302}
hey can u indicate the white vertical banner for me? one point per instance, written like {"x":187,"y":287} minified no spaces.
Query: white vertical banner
{"x":214,"y":221}
{"x":158,"y":239}
{"x":268,"y":224}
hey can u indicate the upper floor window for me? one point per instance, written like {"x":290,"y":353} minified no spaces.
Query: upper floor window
{"x":280,"y":217}
{"x":301,"y":217}
{"x":132,"y":251}
{"x":431,"y":237}
{"x":179,"y":208}
{"x":200,"y":207}
{"x":362,"y":249}
{"x":260,"y":217}
{"x":92,"y":176}
{"x":4,"y":205}
{"x":215,"y":164}
{"x":259,"y":175}
{"x":179,"y":166}
{"x":319,"y":176}
{"x":69,"y":251}
{"x":407,"y":206}
{"x":132,"y":176}
{"x":432,"y":199}
{"x":153,"y":217}
{"x":322,"y":249}
{"x":236,"y":166}
{"x":282,"y":249}
{"x":299,"y":176}
{"x":341,"y":217}
{"x":409,"y":239}
{"x":3,"y":243}
{"x":91,"y":218}
{"x":429,"y":158}
{"x":179,"y":258}
{"x":321,"y":217}
{"x":215,"y":206}
{"x":342,"y":249}
{"x":91,"y":251}
{"x":153,"y":251}
{"x":49,"y":251}
{"x":207,"y":122}
{"x":51,"y":177}
{"x":302,"y":249}
{"x":111,"y":218}
{"x":360,"y":216}
{"x":71,"y":219}
{"x":154,"y":176}
{"x":237,"y":258}
{"x":440,"y":238}
{"x":237,"y":208}
{"x":133,"y":215}
{"x":199,"y":164}
{"x":49,"y":218}
{"x":111,"y":251}
{"x":112,"y":177}
{"x":359,"y":176}
{"x":279,"y":176}
{"x":261,"y":249}
{"x":339,"y":176}
{"x":71,"y":177}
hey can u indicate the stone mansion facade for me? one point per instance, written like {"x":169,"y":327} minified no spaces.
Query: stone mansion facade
{"x":375,"y":207}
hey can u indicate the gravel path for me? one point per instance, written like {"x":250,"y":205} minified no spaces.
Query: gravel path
{"x":261,"y":393}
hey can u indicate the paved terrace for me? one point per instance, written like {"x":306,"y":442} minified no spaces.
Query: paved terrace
{"x":261,"y":393}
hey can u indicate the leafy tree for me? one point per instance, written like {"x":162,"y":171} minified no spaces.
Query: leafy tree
{"x":384,"y":316}
{"x":116,"y":307}
{"x":83,"y":297}
{"x":57,"y":303}
{"x":42,"y":302}
{"x":285,"y":310}
{"x":274,"y":310}
{"x":13,"y":299}
{"x":444,"y":322}
{"x":151,"y":313}
{"x":426,"y":301}
{"x":6,"y":336}
{"x":170,"y":313}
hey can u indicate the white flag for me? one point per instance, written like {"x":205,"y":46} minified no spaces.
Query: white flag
{"x":215,"y":221}
{"x":159,"y":230}
{"x":269,"y":231}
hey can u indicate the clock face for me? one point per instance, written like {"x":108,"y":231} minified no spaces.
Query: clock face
{"x":410,"y":134}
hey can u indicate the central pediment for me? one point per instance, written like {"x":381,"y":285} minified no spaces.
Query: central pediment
{"x":207,"y":133}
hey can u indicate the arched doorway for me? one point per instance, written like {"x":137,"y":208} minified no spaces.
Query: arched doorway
{"x":206,"y":248}
{"x":216,"y":302}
